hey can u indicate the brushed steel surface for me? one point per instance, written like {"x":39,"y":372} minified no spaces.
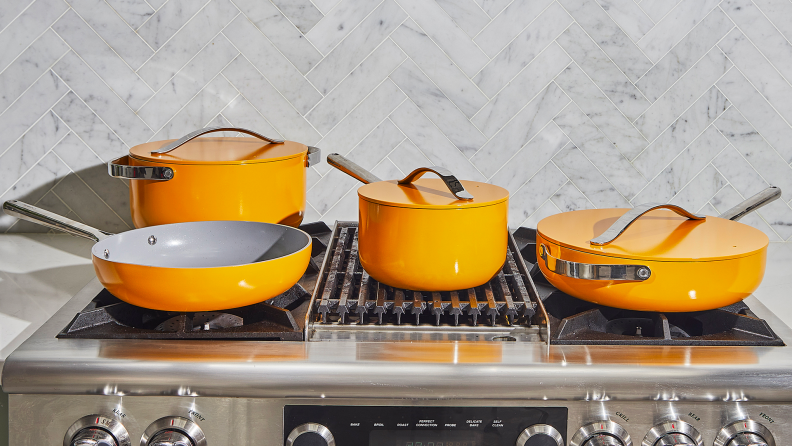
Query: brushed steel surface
{"x":539,"y":429}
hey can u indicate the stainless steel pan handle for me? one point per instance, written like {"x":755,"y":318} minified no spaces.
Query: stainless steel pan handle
{"x":448,"y":178}
{"x":629,"y":217}
{"x":588,"y":271}
{"x":40,"y":216}
{"x":351,"y":168}
{"x":190,"y":136}
{"x":764,"y":197}
{"x":120,"y":168}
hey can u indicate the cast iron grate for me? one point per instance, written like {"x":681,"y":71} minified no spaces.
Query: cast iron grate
{"x":278,"y":319}
{"x":577,"y":322}
{"x":347,"y":295}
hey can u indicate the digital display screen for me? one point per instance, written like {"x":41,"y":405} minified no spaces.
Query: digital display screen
{"x":426,"y":438}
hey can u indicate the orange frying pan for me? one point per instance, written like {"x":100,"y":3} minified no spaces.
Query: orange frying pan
{"x":654,"y":257}
{"x":193,"y":266}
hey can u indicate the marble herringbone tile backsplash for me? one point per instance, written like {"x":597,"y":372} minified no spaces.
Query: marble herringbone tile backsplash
{"x":569,"y":104}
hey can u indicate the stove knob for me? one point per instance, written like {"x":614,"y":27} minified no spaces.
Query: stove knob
{"x":96,"y":430}
{"x":601,"y":433}
{"x":540,"y":435}
{"x":310,"y":434}
{"x":744,"y":433}
{"x":673,"y":433}
{"x":173,"y":431}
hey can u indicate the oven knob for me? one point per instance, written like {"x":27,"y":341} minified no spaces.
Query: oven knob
{"x":310,"y":434}
{"x":173,"y":431}
{"x":601,"y":433}
{"x":673,"y":433}
{"x":96,"y":430}
{"x":540,"y":435}
{"x":744,"y":433}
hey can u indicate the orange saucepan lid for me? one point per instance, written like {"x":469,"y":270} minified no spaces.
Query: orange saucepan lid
{"x":660,"y":235}
{"x":224,"y":150}
{"x":431,"y":193}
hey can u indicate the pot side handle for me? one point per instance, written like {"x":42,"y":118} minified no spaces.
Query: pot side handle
{"x":629,"y":217}
{"x":190,"y":136}
{"x":42,"y":217}
{"x":448,"y":178}
{"x":588,"y":271}
{"x":120,"y":168}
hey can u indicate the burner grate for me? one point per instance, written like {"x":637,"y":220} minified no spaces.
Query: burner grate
{"x":348,"y":296}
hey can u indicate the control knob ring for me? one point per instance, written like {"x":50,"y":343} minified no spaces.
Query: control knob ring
{"x":178,"y":424}
{"x":536,"y":430}
{"x":310,"y":428}
{"x":672,"y":427}
{"x":736,"y":428}
{"x":604,"y":427}
{"x":101,"y":422}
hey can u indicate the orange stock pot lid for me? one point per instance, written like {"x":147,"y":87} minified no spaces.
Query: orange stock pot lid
{"x":431,"y":193}
{"x":225,"y":150}
{"x":660,"y":235}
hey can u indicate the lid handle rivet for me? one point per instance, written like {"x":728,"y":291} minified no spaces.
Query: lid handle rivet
{"x":152,"y":240}
{"x":107,"y":253}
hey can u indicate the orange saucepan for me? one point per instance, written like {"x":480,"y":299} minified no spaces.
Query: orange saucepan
{"x":669,"y":260}
{"x":193,"y":266}
{"x":249,"y":179}
{"x":429,"y":234}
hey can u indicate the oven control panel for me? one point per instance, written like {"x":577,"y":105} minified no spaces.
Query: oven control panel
{"x":313,"y":425}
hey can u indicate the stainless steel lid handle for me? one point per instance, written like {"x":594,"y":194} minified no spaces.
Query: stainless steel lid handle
{"x":40,"y":216}
{"x":351,"y":168}
{"x":120,"y":168}
{"x":314,"y":156}
{"x":454,"y":185}
{"x":764,"y":197}
{"x":190,"y":136}
{"x":587,"y":271}
{"x":629,"y":217}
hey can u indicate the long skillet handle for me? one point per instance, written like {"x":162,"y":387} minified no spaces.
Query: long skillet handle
{"x":764,"y":197}
{"x":40,"y":216}
{"x":351,"y":168}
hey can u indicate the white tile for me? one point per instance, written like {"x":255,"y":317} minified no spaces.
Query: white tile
{"x":360,"y":82}
{"x":681,"y":133}
{"x":362,"y":120}
{"x":758,"y":112}
{"x":437,"y":107}
{"x":531,"y":198}
{"x":302,"y":13}
{"x":90,"y":128}
{"x":135,"y":13}
{"x":330,"y":189}
{"x":755,"y":149}
{"x":31,"y":64}
{"x":523,"y":49}
{"x":448,"y":36}
{"x":683,"y":168}
{"x":587,"y":178}
{"x":509,"y":24}
{"x":600,"y":151}
{"x":281,"y":32}
{"x":407,"y":157}
{"x":240,"y":113}
{"x":34,"y":184}
{"x":30,"y":148}
{"x":359,"y":44}
{"x":201,"y":109}
{"x":187,"y":82}
{"x":466,"y":14}
{"x":493,"y":7}
{"x":440,"y":69}
{"x":670,"y":30}
{"x":679,"y":97}
{"x":538,"y":74}
{"x":266,"y":99}
{"x":377,"y":145}
{"x":271,"y":63}
{"x":685,"y":54}
{"x":779,"y":12}
{"x":601,"y":111}
{"x":325,"y":5}
{"x":10,"y":9}
{"x":115,"y":112}
{"x":656,"y":9}
{"x":700,"y":190}
{"x":568,"y":198}
{"x":431,"y":141}
{"x":95,"y":52}
{"x":33,"y":21}
{"x":758,"y":70}
{"x":184,"y":45}
{"x":530,"y":158}
{"x":740,"y":173}
{"x":525,"y":125}
{"x":18,"y":118}
{"x":167,"y":20}
{"x":629,"y":16}
{"x":616,"y":44}
{"x":339,"y":22}
{"x":779,"y":216}
{"x":114,"y":30}
{"x":728,"y":197}
{"x":344,"y":210}
{"x":605,"y":74}
{"x":87,"y":205}
{"x":545,"y":210}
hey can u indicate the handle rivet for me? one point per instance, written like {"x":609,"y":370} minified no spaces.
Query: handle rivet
{"x":643,"y":273}
{"x":107,"y":253}
{"x":152,"y":240}
{"x":167,"y":173}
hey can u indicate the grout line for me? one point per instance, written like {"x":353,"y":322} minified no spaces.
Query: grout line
{"x":33,"y":123}
{"x":520,"y":149}
{"x":47,"y":70}
{"x":176,"y":31}
{"x":30,"y":3}
{"x":34,"y":40}
{"x":240,"y":95}
{"x":46,"y":152}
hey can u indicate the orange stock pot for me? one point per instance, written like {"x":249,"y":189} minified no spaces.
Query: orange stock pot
{"x":669,"y":260}
{"x":250,"y":179}
{"x":429,"y":234}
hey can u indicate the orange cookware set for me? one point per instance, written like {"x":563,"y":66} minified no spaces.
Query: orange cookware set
{"x":216,"y":220}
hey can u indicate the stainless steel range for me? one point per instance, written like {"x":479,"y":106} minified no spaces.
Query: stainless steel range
{"x":343,"y":360}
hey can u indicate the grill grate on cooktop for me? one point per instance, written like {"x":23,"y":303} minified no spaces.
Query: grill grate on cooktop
{"x":348,"y":296}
